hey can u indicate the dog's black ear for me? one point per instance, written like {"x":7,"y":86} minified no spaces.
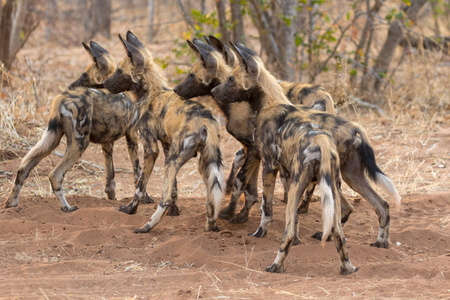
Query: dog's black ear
{"x":88,"y":50}
{"x":194,"y":48}
{"x":134,"y":54}
{"x":247,"y":61}
{"x":131,"y":38}
{"x":228,"y":55}
{"x":99,"y":56}
{"x":209,"y":61}
{"x":245,"y":48}
{"x":200,"y":44}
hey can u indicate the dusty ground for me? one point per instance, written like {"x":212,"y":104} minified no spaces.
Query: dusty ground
{"x":92,"y":252}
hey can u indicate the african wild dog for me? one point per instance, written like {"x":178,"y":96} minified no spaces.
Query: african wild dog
{"x":183,"y":128}
{"x":288,"y":139}
{"x":216,"y":62}
{"x":84,"y":115}
{"x":314,"y":96}
{"x":356,"y":158}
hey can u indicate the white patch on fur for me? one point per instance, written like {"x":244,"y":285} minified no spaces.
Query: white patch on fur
{"x":135,"y":117}
{"x":62,"y":200}
{"x":188,"y":142}
{"x":157,"y":215}
{"x":95,"y":91}
{"x":139,"y":193}
{"x":389,"y":187}
{"x":327,"y":200}
{"x":276,"y":150}
{"x":315,"y":125}
{"x":279,"y":260}
{"x":65,"y":112}
{"x":216,"y":191}
{"x":357,"y":141}
{"x":310,"y":156}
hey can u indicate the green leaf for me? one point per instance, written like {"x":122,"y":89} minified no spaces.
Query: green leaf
{"x":353,"y":72}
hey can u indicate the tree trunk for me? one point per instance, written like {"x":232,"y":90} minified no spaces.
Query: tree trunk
{"x":50,"y":12}
{"x":237,"y":20}
{"x":395,"y":35}
{"x":268,"y":42}
{"x":312,"y":37}
{"x":98,"y":19}
{"x":5,"y":33}
{"x":366,"y":34}
{"x":222,"y":21}
{"x":151,"y":14}
{"x":287,"y":41}
{"x":19,"y":20}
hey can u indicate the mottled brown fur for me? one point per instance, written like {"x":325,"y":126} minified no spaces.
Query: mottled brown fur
{"x":84,"y":115}
{"x":356,"y":159}
{"x":287,"y":139}
{"x":214,"y":65}
{"x":183,"y":128}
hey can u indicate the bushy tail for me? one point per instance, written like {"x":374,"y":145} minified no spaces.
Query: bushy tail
{"x":211,"y":159}
{"x":325,"y":186}
{"x":50,"y":138}
{"x":369,"y":164}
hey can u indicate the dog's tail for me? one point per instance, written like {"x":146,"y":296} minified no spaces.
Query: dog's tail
{"x":367,"y":157}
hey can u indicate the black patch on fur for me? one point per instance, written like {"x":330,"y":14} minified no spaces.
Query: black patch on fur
{"x":305,"y":92}
{"x":52,"y":125}
{"x":327,"y":178}
{"x":290,"y":92}
{"x":368,"y":161}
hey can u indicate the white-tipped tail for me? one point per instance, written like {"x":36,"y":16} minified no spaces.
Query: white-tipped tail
{"x":388,"y":186}
{"x":216,"y":186}
{"x":327,"y":200}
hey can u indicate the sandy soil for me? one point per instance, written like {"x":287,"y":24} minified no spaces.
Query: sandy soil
{"x":92,"y":252}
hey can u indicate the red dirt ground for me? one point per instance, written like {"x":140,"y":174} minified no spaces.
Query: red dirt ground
{"x":92,"y":252}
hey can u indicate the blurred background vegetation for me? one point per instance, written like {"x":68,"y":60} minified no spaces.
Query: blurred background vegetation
{"x":369,"y":52}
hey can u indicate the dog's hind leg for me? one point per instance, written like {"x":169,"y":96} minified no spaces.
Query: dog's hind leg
{"x":49,"y":141}
{"x":77,"y":134}
{"x":354,"y":176}
{"x":110,"y":185}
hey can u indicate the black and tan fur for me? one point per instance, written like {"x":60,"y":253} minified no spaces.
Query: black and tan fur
{"x":287,"y":139}
{"x":84,"y":115}
{"x":216,"y":62}
{"x":183,"y":128}
{"x":356,"y":159}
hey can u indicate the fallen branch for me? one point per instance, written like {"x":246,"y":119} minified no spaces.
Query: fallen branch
{"x":94,"y":165}
{"x":367,"y":104}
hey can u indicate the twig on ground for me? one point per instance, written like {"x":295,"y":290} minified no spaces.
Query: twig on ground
{"x":360,"y":102}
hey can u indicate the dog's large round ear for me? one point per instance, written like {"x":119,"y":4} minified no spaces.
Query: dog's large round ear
{"x":99,"y":54}
{"x":247,"y":61}
{"x":96,"y":46}
{"x":194,"y":48}
{"x":228,"y":55}
{"x":131,"y":38}
{"x":209,"y":61}
{"x":137,"y":59}
{"x":238,"y":54}
{"x":88,"y":50}
{"x":200,"y":44}
{"x":242,"y":47}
